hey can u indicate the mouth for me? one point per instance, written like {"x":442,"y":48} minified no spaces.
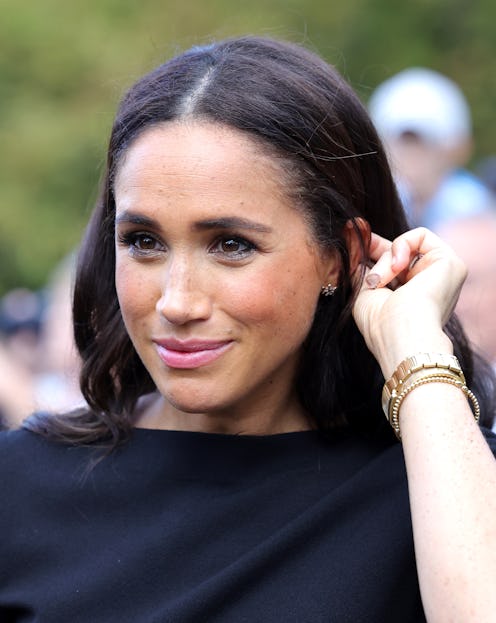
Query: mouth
{"x":190,"y":354}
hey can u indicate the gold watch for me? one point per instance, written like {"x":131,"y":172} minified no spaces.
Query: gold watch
{"x":410,"y":365}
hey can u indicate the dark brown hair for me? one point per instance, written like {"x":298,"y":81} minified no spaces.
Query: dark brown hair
{"x":304,"y":113}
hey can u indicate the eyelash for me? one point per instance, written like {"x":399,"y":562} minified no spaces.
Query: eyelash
{"x":131,"y":240}
{"x":237,"y":255}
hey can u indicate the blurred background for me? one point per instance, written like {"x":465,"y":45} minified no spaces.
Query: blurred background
{"x":64,"y":66}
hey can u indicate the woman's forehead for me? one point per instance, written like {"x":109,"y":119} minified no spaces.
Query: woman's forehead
{"x":202,"y":152}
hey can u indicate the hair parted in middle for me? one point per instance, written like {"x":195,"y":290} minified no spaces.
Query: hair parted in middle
{"x":302,"y":113}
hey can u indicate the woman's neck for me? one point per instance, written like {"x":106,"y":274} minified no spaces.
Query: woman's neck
{"x":154,"y":412}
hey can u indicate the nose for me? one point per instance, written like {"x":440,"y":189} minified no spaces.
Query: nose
{"x":184,"y":297}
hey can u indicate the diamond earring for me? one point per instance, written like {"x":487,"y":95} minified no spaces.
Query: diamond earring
{"x":329,"y":289}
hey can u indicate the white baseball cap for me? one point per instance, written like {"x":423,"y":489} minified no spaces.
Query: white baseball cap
{"x":424,"y":102}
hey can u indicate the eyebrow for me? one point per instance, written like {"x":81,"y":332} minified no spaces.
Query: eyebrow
{"x":135,"y":219}
{"x":228,"y":222}
{"x":232,"y":222}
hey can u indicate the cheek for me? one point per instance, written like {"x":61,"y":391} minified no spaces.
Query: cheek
{"x":134,"y":295}
{"x":283,"y":303}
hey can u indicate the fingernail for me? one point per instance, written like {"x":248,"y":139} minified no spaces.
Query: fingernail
{"x":372,"y":280}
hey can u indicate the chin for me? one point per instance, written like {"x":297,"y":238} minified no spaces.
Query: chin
{"x":189,"y":401}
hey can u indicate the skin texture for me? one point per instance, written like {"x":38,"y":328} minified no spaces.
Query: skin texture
{"x":188,"y":276}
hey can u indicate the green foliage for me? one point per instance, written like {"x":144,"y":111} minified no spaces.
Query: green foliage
{"x":64,"y":65}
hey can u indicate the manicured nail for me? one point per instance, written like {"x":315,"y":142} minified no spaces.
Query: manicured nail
{"x":372,"y":280}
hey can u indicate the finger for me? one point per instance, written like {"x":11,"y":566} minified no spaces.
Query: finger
{"x":378,"y":246}
{"x":420,"y":240}
{"x":380,"y":258}
{"x":368,"y":300}
{"x":398,"y":252}
{"x":365,"y":294}
{"x":403,"y":255}
{"x":381,"y":273}
{"x":391,"y":258}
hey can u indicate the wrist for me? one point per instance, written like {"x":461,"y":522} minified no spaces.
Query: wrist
{"x":392,"y":353}
{"x":418,"y":370}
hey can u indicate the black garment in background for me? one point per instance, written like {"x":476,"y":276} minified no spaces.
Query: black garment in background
{"x":178,"y":527}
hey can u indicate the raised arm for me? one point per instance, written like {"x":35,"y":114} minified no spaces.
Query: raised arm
{"x":401,"y":309}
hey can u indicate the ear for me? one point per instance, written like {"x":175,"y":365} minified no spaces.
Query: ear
{"x":356,"y":234}
{"x":357,"y":237}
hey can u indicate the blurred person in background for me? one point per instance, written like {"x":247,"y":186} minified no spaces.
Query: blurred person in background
{"x":56,"y":382}
{"x":486,"y":170}
{"x":21,"y":313}
{"x":474,"y":240}
{"x":16,"y":390}
{"x":39,"y":364}
{"x":425,"y":122}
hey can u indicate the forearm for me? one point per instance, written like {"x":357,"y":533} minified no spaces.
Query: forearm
{"x":452,"y":485}
{"x":405,"y":301}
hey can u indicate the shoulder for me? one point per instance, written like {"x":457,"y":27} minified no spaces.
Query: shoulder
{"x":15,"y":443}
{"x":39,"y":481}
{"x":21,"y":453}
{"x":29,"y":461}
{"x":16,"y":446}
{"x":24,"y":459}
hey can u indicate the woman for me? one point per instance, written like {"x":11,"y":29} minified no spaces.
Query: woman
{"x":238,"y":306}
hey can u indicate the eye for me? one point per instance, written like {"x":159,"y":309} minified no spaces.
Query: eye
{"x":140,"y":244}
{"x":233,"y":247}
{"x":144,"y":242}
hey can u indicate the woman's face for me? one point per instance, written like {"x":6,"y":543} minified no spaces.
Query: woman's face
{"x":217,"y":274}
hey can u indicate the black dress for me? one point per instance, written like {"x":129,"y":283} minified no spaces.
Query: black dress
{"x":179,"y":527}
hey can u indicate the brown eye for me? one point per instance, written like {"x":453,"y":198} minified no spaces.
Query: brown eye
{"x":231,"y":246}
{"x":145,"y":243}
{"x":232,"y":249}
{"x":141,"y":245}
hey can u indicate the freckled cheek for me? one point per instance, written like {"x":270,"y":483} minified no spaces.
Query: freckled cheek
{"x":136,"y":296}
{"x":284,"y":303}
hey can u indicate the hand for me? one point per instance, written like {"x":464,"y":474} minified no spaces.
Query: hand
{"x":407,"y":296}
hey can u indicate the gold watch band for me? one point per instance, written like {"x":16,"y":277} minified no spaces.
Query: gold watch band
{"x":413,"y":364}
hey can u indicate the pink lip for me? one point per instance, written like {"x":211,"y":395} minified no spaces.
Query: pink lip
{"x":190,"y":354}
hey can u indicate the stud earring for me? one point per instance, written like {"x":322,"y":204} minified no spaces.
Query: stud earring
{"x":329,"y":289}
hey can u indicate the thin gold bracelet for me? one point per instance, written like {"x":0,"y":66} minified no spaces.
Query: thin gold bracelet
{"x":395,"y":407}
{"x":438,"y":373}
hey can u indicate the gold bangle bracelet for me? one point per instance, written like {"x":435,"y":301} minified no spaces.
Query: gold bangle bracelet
{"x":420,"y":374}
{"x":433,"y":378}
